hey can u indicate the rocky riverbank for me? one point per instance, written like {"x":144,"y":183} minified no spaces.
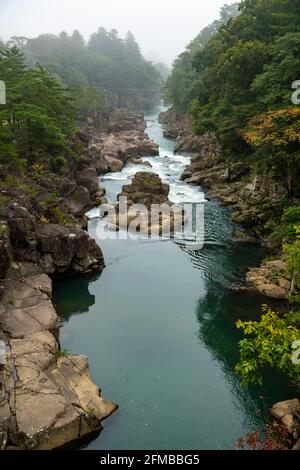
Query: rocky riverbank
{"x":124,"y":140}
{"x":253,"y":199}
{"x":47,"y":397}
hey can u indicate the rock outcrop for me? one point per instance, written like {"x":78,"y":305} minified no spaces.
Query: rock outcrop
{"x":271,"y":279}
{"x":124,"y":140}
{"x":180,"y":129}
{"x":144,"y":207}
{"x":67,"y":251}
{"x":57,"y":249}
{"x":47,"y":398}
{"x":146,"y":188}
{"x":114,"y":150}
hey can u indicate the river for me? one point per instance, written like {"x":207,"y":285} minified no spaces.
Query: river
{"x":158,"y":327}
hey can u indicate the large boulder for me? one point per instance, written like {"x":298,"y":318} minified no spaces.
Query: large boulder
{"x":67,"y":251}
{"x":78,"y":201}
{"x":113,"y":164}
{"x":144,"y":206}
{"x":88,"y":178}
{"x":146,"y":188}
{"x":110,"y":152}
{"x":288,"y":412}
{"x":271,"y":279}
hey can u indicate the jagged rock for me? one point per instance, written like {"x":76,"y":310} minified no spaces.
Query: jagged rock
{"x":89,"y":179}
{"x":124,"y":120}
{"x":113,"y":164}
{"x":78,"y":201}
{"x":117,"y":149}
{"x":47,"y":399}
{"x":6,"y":252}
{"x":146,"y":188}
{"x":22,"y":233}
{"x":125,"y":139}
{"x":135,"y":208}
{"x":67,"y":251}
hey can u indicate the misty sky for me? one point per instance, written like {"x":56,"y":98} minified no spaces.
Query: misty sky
{"x":162,"y":27}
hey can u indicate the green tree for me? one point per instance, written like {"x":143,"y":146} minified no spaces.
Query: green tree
{"x":38,"y":116}
{"x":270,"y":344}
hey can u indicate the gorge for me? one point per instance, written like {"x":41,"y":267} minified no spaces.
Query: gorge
{"x":150,"y":232}
{"x":158,"y":326}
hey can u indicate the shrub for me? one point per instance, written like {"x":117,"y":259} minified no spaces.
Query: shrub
{"x":59,"y":162}
{"x":274,"y":437}
{"x":59,"y":217}
{"x":270,"y":344}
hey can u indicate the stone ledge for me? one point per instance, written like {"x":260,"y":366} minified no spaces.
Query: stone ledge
{"x":47,"y":399}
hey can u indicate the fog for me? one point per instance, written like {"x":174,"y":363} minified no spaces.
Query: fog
{"x":161,"y":27}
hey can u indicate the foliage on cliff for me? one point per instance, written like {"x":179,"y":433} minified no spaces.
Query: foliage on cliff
{"x":184,"y":81}
{"x":241,"y":80}
{"x":237,"y":79}
{"x":274,"y":341}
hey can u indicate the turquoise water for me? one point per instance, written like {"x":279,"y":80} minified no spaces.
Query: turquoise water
{"x":158,"y":328}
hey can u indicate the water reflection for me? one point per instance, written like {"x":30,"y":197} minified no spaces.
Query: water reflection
{"x":217,"y":314}
{"x":72,"y":296}
{"x":161,"y":337}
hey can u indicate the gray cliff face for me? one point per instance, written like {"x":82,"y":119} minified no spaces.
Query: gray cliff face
{"x":125,"y":139}
{"x":57,"y":249}
{"x":47,"y":399}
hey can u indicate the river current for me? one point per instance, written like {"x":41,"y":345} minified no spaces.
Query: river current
{"x":158,"y":327}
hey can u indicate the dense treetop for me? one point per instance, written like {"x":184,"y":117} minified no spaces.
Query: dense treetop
{"x":105,"y":64}
{"x":52,"y":81}
{"x":38,"y":117}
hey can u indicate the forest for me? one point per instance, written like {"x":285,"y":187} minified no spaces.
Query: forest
{"x":54,"y":81}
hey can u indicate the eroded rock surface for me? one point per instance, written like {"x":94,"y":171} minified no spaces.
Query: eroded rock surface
{"x":146,"y":188}
{"x":271,"y":279}
{"x":57,"y":249}
{"x":124,"y":140}
{"x":144,"y":206}
{"x":67,"y":251}
{"x":47,"y":399}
